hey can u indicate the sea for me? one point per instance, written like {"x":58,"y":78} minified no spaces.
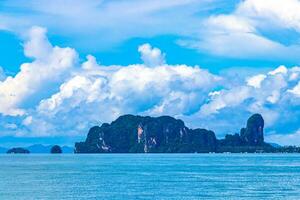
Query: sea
{"x":150,"y":176}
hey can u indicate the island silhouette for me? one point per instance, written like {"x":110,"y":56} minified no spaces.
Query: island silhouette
{"x":165,"y":134}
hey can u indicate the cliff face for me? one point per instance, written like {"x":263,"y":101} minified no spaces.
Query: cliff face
{"x":253,"y":134}
{"x":137,"y":134}
{"x":250,"y":139}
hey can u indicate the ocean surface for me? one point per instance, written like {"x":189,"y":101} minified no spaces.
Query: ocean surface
{"x":150,"y":176}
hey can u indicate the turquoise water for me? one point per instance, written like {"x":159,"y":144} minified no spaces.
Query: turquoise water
{"x":150,"y":176}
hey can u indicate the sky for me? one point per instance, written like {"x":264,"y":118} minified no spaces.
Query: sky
{"x":68,"y":65}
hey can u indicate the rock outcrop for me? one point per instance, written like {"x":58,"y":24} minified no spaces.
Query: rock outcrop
{"x":250,"y":139}
{"x":253,"y":134}
{"x":56,"y":149}
{"x":137,"y":134}
{"x":17,"y":150}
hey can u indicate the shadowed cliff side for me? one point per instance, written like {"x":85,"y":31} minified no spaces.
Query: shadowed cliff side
{"x":137,"y":134}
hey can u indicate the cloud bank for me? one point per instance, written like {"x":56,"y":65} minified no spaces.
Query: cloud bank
{"x":57,"y":95}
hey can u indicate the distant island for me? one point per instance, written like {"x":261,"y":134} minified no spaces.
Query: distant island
{"x":165,"y":134}
{"x":38,"y":149}
{"x":56,"y":149}
{"x":18,"y":150}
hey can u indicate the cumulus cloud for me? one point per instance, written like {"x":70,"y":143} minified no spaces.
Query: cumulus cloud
{"x":89,"y":93}
{"x":269,"y":94}
{"x":91,"y":63}
{"x":255,"y":81}
{"x":77,"y":89}
{"x":225,"y":98}
{"x":48,"y":65}
{"x":280,"y":70}
{"x":151,"y":56}
{"x":37,"y":46}
{"x":101,"y":93}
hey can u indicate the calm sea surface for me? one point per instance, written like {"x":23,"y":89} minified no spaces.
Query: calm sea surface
{"x":150,"y":176}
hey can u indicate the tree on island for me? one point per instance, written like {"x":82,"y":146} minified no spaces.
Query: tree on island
{"x":56,"y":149}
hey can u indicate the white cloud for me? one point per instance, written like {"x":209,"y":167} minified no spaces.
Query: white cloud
{"x":49,"y":64}
{"x":280,"y":70}
{"x":91,"y":93}
{"x":268,"y":94}
{"x":231,"y":106}
{"x":294,"y":73}
{"x":151,"y":56}
{"x":255,"y":81}
{"x":139,"y":89}
{"x":77,"y":89}
{"x":91,"y":63}
{"x":229,"y":23}
{"x":244,"y":32}
{"x":96,"y":93}
{"x":295,"y":90}
{"x":37,"y":46}
{"x":284,"y":13}
{"x":230,"y":98}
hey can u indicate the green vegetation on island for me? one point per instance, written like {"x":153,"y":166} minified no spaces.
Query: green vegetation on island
{"x":137,"y":134}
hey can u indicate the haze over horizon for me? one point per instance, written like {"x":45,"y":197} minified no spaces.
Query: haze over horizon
{"x":66,"y":66}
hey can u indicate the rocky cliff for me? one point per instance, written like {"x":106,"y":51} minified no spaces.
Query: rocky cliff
{"x":137,"y":134}
{"x":250,"y":139}
{"x":253,"y":134}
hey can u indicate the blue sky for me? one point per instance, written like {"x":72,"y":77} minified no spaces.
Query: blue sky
{"x":68,"y":65}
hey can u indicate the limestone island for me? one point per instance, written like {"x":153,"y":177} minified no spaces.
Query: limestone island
{"x":165,"y":134}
